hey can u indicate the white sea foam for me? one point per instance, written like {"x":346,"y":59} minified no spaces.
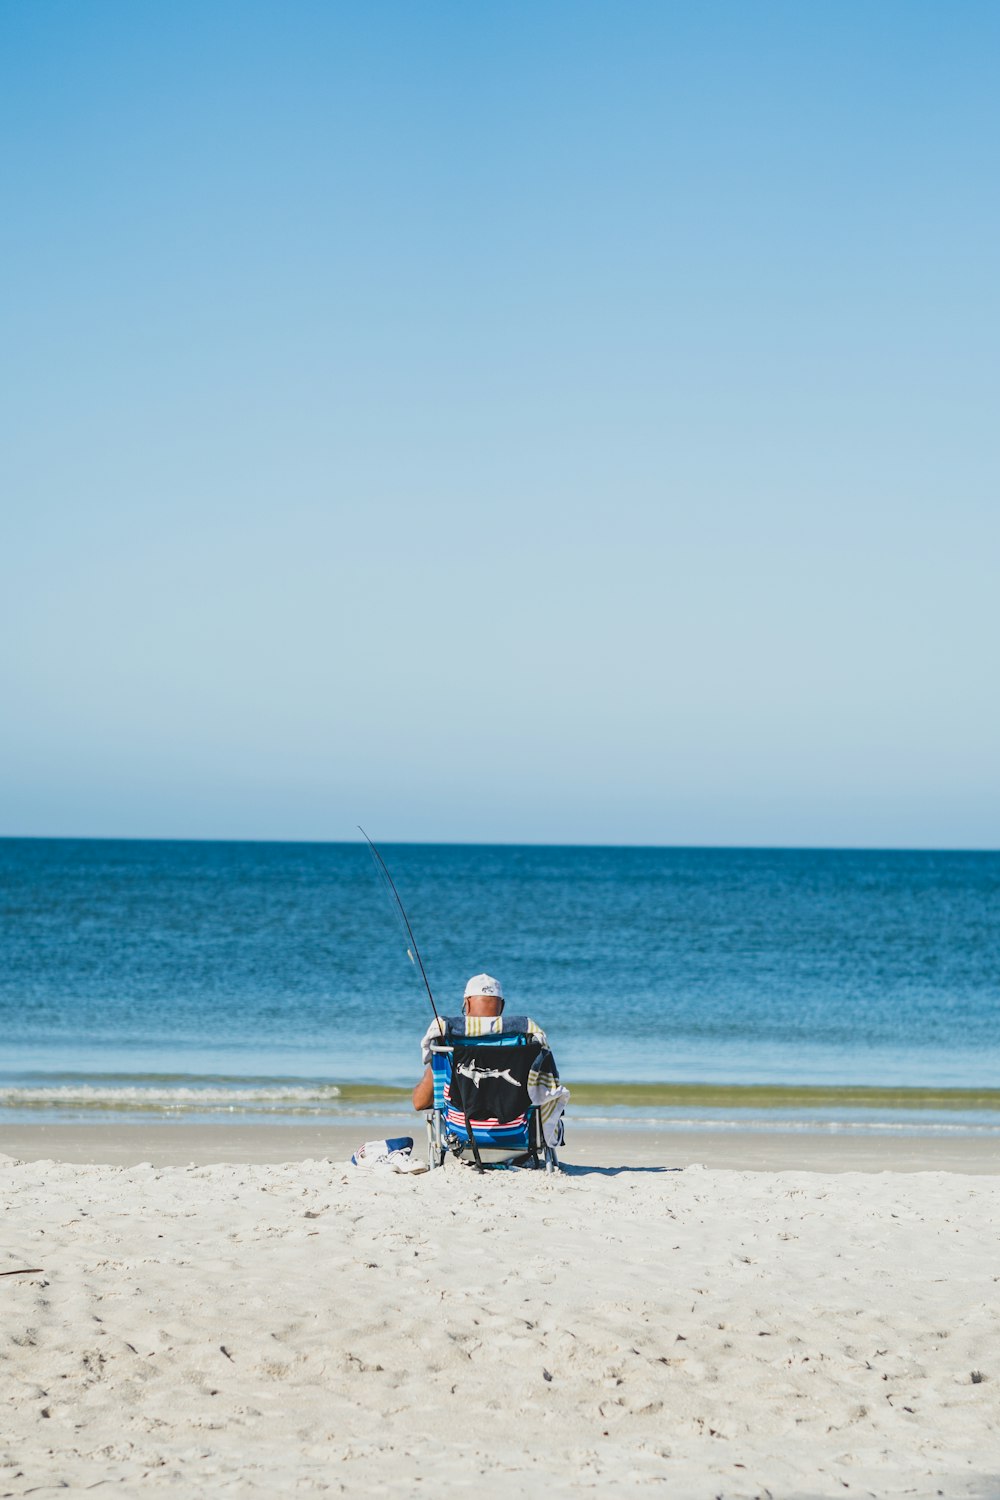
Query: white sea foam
{"x":118,"y":1096}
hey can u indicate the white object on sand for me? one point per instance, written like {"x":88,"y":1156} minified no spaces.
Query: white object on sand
{"x":388,"y":1156}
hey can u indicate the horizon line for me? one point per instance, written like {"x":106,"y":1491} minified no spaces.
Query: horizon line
{"x":89,"y":838}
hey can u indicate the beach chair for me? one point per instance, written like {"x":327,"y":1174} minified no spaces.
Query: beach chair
{"x":482,"y":1105}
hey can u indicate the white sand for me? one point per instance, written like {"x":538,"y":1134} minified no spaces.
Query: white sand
{"x":269,"y":1329}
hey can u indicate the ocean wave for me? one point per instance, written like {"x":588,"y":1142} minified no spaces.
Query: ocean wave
{"x":130,"y":1096}
{"x":725,"y":1110}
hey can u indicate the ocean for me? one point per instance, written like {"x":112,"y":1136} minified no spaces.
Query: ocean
{"x":754,"y":989}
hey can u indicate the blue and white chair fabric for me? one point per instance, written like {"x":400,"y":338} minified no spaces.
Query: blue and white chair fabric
{"x":483,"y":1105}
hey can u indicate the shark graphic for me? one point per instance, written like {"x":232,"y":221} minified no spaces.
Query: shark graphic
{"x":469,"y":1070}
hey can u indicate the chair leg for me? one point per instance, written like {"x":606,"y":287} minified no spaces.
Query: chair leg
{"x":435,"y":1156}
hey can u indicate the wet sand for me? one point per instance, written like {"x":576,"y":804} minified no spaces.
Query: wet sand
{"x":177,"y":1144}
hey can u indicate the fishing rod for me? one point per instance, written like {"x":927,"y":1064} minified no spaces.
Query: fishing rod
{"x":412,"y":951}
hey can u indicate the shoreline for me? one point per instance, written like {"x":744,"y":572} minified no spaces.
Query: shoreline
{"x":121,"y":1101}
{"x":114,"y":1090}
{"x":601,"y":1148}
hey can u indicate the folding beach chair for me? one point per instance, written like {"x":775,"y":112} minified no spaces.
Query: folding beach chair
{"x":482,"y":1105}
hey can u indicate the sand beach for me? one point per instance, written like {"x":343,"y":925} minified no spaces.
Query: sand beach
{"x":500,"y":546}
{"x":256,"y":1326}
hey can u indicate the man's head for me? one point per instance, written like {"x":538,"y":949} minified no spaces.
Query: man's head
{"x":483,"y":996}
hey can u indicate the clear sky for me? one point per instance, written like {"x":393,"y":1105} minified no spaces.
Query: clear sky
{"x":533,"y":421}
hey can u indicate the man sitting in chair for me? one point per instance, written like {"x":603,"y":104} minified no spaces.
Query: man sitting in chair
{"x":482,"y":1015}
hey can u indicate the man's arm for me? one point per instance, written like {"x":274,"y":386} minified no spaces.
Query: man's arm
{"x":423,"y":1094}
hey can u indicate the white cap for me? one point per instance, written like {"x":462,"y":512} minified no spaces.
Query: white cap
{"x":484,"y":984}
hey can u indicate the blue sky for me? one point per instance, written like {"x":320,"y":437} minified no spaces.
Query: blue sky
{"x":552,"y":422}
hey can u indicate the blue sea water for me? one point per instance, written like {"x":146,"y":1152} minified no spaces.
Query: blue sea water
{"x":257,"y":978}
